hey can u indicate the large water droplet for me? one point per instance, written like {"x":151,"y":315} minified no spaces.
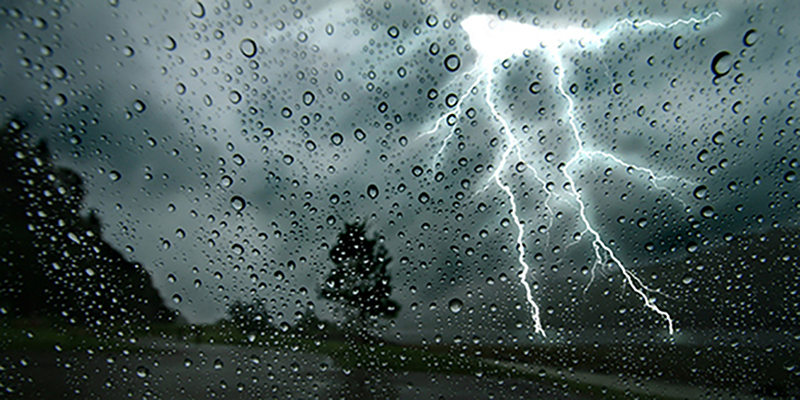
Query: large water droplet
{"x":456,"y":305}
{"x":721,"y":64}
{"x":198,"y":10}
{"x":248,"y":47}
{"x":372,"y":191}
{"x":452,"y":62}
{"x":750,"y":37}
{"x":237,"y":203}
{"x":700,"y":192}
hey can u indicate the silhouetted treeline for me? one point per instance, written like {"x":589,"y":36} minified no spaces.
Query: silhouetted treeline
{"x":53,"y":260}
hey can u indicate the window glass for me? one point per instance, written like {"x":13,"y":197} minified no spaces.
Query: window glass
{"x":399,"y":199}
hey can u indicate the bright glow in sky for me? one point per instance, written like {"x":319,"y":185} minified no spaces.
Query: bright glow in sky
{"x":496,"y":40}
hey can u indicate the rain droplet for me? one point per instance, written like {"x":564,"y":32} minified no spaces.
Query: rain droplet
{"x":234,"y":97}
{"x":535,"y":87}
{"x":248,"y":47}
{"x":60,"y":100}
{"x":308,"y":98}
{"x":198,"y":10}
{"x":452,"y":62}
{"x":288,"y":159}
{"x":372,"y":191}
{"x":707,"y":211}
{"x":700,"y":192}
{"x":359,"y":134}
{"x":176,"y":299}
{"x":750,"y":37}
{"x":790,"y":176}
{"x":139,"y":106}
{"x":718,"y":138}
{"x":58,"y":72}
{"x":451,"y":100}
{"x":678,"y":43}
{"x":114,"y":176}
{"x":424,"y":197}
{"x":721,"y":64}
{"x":456,"y":305}
{"x":337,"y":138}
{"x":169,"y":43}
{"x":237,"y":203}
{"x":432,"y":20}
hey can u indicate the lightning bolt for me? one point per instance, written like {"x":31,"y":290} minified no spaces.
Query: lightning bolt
{"x":496,"y":40}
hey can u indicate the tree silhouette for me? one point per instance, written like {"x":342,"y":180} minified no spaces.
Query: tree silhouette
{"x":54,"y":262}
{"x":359,"y":279}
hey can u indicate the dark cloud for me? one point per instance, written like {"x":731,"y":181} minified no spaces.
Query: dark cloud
{"x":218,"y":123}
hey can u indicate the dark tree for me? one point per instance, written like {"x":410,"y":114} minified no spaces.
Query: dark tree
{"x":54,"y":262}
{"x":359,"y":280}
{"x":250,"y":317}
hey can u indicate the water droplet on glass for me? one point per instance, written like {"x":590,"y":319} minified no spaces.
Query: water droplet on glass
{"x":308,"y":98}
{"x":431,"y":21}
{"x":721,"y":64}
{"x":700,"y":192}
{"x":359,"y":134}
{"x":139,"y":106}
{"x":337,"y":138}
{"x":248,"y":47}
{"x":60,"y":100}
{"x":176,"y":298}
{"x":288,"y":159}
{"x":750,"y":37}
{"x":456,"y":305}
{"x":169,"y":43}
{"x":237,"y":203}
{"x":198,"y":10}
{"x":424,"y":197}
{"x":372,"y":191}
{"x":452,"y":62}
{"x":58,"y":72}
{"x":535,"y":87}
{"x":790,"y":176}
{"x":234,"y":97}
{"x":114,"y":176}
{"x":142,"y":372}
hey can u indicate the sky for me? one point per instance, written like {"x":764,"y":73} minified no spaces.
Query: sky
{"x":225,"y":144}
